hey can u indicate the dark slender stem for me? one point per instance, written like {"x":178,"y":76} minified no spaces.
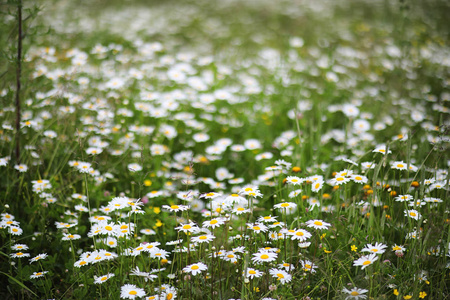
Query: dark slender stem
{"x":18,"y":73}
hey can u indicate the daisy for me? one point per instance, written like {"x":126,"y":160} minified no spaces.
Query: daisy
{"x":252,"y":273}
{"x":152,"y":246}
{"x":378,"y":248}
{"x":189,"y":227}
{"x":313,"y":202}
{"x":295,"y":193}
{"x":287,"y":266}
{"x":338,"y":180}
{"x":176,"y":208}
{"x":398,"y":249}
{"x":169,"y":293}
{"x":39,"y":257}
{"x":241,"y":210}
{"x":355,"y":293}
{"x":359,"y":178}
{"x":15,"y":230}
{"x":21,"y":168}
{"x":134,"y":167}
{"x":317,"y":186}
{"x":19,"y":247}
{"x":286,"y":205}
{"x":235,"y":198}
{"x":38,"y":274}
{"x":257,"y":227}
{"x":230,"y":256}
{"x":403,"y":198}
{"x":413,"y":214}
{"x":264,"y":256}
{"x":294,"y":180}
{"x":130,"y":291}
{"x":111,"y":242}
{"x":213,"y":223}
{"x":308,"y":266}
{"x":19,"y":255}
{"x":300,"y":234}
{"x":203,"y":238}
{"x":365,"y":261}
{"x":281,"y":275}
{"x":103,"y":278}
{"x":267,"y":219}
{"x":80,"y":263}
{"x":250,"y":190}
{"x":195,"y":269}
{"x":147,"y":231}
{"x":399,"y":165}
{"x":318,"y":224}
{"x":382,"y":149}
{"x":368,"y":165}
{"x":159,"y":253}
{"x":210,"y":195}
{"x":69,"y":237}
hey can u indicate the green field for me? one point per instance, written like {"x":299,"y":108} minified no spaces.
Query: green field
{"x":224,"y":149}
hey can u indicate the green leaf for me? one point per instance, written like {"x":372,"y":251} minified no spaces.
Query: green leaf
{"x":19,"y":283}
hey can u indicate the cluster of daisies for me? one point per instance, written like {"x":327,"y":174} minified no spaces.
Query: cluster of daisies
{"x":195,"y":131}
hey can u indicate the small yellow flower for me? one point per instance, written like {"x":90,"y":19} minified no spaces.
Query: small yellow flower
{"x":326,"y":251}
{"x":422,"y":295}
{"x":147,"y":182}
{"x":158,"y":223}
{"x":395,"y":292}
{"x":354,"y":248}
{"x":156,"y":210}
{"x":323,"y":236}
{"x":407,"y":297}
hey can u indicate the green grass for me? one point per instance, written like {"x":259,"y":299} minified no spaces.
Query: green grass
{"x":318,"y":85}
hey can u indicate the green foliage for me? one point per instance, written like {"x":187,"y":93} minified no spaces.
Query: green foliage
{"x":166,"y":102}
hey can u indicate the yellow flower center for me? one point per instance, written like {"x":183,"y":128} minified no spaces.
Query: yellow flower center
{"x":132,"y":293}
{"x":367,"y":262}
{"x":174,"y":207}
{"x":256,"y":228}
{"x":354,"y":293}
{"x":187,"y":226}
{"x":299,"y":233}
{"x":264,"y":256}
{"x":280,"y":275}
{"x":39,"y":274}
{"x":203,"y":237}
{"x":103,"y":278}
{"x":195,"y":267}
{"x":107,"y":227}
{"x":285,"y":205}
{"x":213,"y":222}
{"x":252,"y":272}
{"x":318,"y":223}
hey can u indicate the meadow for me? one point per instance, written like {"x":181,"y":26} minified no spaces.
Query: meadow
{"x":254,"y":150}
